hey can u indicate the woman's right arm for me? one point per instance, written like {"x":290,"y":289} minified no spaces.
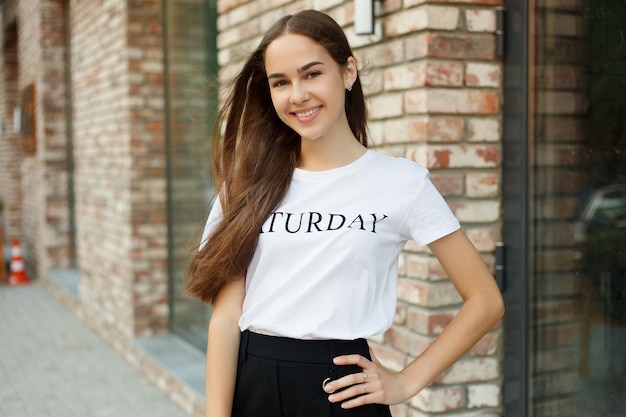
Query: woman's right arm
{"x":223,"y":348}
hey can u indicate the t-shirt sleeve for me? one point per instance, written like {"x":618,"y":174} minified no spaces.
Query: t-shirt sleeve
{"x":430,"y":217}
{"x":215,"y":216}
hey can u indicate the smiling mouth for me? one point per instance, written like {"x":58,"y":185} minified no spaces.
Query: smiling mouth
{"x":307,"y":113}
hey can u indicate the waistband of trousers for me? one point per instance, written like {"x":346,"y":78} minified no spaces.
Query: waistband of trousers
{"x":298,"y":350}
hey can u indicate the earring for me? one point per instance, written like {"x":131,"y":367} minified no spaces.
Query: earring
{"x":349,"y":87}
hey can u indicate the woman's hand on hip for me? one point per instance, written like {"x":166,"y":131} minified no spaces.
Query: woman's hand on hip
{"x":375,"y":385}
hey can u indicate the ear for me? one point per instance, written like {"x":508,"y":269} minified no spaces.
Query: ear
{"x":350,"y":72}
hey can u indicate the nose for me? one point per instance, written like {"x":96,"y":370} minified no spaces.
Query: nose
{"x":299,"y":93}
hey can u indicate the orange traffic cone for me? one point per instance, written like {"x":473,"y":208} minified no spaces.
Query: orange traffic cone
{"x":18,"y":275}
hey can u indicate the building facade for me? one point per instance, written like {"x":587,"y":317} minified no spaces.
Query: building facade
{"x":517,"y":108}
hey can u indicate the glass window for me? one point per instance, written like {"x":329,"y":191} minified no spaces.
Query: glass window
{"x":191,"y":62}
{"x":578,"y":211}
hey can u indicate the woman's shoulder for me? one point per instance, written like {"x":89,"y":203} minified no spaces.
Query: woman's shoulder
{"x":399,"y":167}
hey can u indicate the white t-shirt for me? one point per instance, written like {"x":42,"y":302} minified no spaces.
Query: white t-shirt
{"x":326,"y":263}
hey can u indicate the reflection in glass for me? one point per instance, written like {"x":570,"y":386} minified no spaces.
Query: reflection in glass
{"x":578,"y":208}
{"x":191,"y":62}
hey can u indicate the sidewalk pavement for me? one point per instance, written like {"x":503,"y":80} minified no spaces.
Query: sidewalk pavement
{"x":52,"y":365}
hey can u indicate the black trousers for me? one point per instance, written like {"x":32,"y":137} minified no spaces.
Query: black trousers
{"x":282,"y":377}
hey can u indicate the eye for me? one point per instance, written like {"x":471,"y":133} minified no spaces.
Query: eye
{"x":313,"y":74}
{"x":279,"y":83}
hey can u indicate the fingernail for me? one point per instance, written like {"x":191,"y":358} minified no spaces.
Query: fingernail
{"x":331,"y":398}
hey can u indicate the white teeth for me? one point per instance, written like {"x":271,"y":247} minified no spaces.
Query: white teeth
{"x":307,"y":113}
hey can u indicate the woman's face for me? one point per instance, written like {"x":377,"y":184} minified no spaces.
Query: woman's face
{"x":307,"y":86}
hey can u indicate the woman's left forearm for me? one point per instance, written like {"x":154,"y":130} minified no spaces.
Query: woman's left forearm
{"x":477,"y":316}
{"x":482,"y":309}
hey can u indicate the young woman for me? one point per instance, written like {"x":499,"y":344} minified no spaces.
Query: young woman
{"x":299,"y":256}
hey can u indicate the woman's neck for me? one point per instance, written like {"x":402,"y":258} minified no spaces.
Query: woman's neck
{"x":323,"y":155}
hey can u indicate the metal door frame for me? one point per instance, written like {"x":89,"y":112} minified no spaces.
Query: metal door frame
{"x":515,"y":233}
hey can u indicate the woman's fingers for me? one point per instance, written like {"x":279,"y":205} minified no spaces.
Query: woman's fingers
{"x":375,"y":384}
{"x":348,"y":381}
{"x":354,"y":359}
{"x":352,"y":397}
{"x":354,"y":385}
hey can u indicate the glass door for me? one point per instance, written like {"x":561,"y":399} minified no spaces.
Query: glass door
{"x":576,"y":233}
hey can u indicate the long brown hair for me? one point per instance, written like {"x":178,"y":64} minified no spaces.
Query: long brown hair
{"x":257,"y":153}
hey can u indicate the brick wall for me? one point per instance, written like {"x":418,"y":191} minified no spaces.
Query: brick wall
{"x":101,"y":132}
{"x":30,"y":63}
{"x":10,"y":156}
{"x":52,"y":129}
{"x":119,"y":154}
{"x":34,"y":181}
{"x":433,"y":84}
{"x":148,"y":186}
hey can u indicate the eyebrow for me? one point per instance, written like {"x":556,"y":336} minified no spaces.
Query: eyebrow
{"x":300,"y":70}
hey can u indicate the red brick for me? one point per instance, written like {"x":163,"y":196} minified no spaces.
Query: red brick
{"x":390,"y":358}
{"x":482,"y":184}
{"x":399,"y":317}
{"x":448,"y":184}
{"x":483,"y":130}
{"x":444,"y":129}
{"x":420,"y":344}
{"x":405,"y":77}
{"x":440,"y":399}
{"x":399,"y":338}
{"x":412,"y":291}
{"x":455,"y":156}
{"x":421,"y":18}
{"x":479,"y":211}
{"x":390,"y":53}
{"x":424,"y":267}
{"x":451,"y":101}
{"x":480,"y":20}
{"x":471,"y":370}
{"x":482,"y":75}
{"x":449,"y":74}
{"x":483,"y":395}
{"x":156,"y":127}
{"x":452,"y":46}
{"x":426,"y":322}
{"x":484,"y":238}
{"x":488,"y":345}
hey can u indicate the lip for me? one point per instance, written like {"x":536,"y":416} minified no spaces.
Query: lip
{"x":306,"y":115}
